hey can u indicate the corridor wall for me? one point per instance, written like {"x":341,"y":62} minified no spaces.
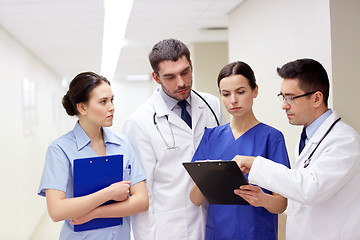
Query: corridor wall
{"x":268,"y":34}
{"x":31,"y":117}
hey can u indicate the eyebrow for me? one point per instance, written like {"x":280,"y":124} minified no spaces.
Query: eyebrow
{"x":168,"y":75}
{"x":171,"y":74}
{"x":186,"y":69}
{"x":224,"y":90}
{"x":104,"y":98}
{"x":285,"y":94}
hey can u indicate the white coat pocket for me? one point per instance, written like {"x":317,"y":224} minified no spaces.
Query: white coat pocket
{"x":171,"y":225}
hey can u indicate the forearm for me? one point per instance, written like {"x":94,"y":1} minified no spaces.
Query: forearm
{"x":133,"y":205}
{"x":137,"y":202}
{"x":62,"y":208}
{"x":196,"y":197}
{"x":275,"y":203}
{"x":254,"y":195}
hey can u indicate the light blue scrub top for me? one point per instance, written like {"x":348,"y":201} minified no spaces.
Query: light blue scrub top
{"x":58,"y":174}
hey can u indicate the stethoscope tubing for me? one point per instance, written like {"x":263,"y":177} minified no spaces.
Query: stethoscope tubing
{"x":308,"y":160}
{"x":172,"y":133}
{"x":212,"y":110}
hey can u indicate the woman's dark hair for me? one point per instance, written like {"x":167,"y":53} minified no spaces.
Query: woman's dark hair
{"x":238,"y":68}
{"x":311,"y":75}
{"x":79,"y":90}
{"x":167,"y":49}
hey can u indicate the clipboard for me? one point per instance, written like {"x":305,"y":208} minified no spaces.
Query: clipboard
{"x":217,"y":180}
{"x":92,"y":175}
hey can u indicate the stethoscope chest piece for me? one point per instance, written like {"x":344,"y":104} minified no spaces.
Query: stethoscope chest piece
{"x":307,"y":162}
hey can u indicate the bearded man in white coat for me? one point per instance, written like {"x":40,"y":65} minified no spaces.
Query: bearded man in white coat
{"x":323,"y":186}
{"x":164,"y":136}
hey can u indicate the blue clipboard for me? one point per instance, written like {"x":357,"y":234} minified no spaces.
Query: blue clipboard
{"x":92,"y":175}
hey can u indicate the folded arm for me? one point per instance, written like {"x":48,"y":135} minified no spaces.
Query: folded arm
{"x":137,"y":202}
{"x":62,"y":208}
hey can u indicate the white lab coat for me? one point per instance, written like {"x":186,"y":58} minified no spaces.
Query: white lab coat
{"x":324,"y":198}
{"x":171,"y":214}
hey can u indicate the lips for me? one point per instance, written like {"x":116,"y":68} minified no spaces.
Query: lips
{"x":110,"y":116}
{"x":289,"y":115}
{"x":183,"y":91}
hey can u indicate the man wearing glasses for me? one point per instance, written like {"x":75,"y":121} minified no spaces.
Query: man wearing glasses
{"x":323,"y":185}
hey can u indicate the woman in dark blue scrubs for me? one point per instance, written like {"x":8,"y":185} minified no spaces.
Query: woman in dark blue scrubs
{"x":244,"y":135}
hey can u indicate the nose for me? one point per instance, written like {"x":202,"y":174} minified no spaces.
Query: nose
{"x":180,"y":81}
{"x":233,"y":98}
{"x":111,"y":107}
{"x":285,"y":105}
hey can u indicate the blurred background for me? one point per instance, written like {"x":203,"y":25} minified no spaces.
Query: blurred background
{"x":45,"y":43}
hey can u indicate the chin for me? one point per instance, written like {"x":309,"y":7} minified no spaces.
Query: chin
{"x":295,"y":123}
{"x":107,"y":124}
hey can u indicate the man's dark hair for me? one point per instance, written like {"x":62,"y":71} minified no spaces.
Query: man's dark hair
{"x":167,"y":49}
{"x":311,"y":74}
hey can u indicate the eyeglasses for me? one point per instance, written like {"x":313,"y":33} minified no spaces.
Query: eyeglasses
{"x":289,"y":99}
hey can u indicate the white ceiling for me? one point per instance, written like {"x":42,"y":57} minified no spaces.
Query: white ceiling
{"x":67,"y":34}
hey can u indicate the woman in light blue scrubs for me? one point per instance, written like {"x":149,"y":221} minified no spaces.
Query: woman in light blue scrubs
{"x":90,"y":98}
{"x":244,"y":135}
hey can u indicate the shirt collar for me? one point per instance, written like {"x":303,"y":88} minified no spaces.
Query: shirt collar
{"x":110,"y":137}
{"x":83,"y":140}
{"x":311,"y":129}
{"x":169,"y":101}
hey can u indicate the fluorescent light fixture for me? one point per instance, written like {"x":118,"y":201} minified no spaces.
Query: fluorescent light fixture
{"x":117,"y":14}
{"x":141,"y":77}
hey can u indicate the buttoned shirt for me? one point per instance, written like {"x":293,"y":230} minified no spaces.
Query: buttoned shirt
{"x":311,"y":129}
{"x":171,"y":103}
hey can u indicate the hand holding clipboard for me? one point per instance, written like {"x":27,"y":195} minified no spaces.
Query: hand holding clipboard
{"x":217,"y":180}
{"x":94,"y":174}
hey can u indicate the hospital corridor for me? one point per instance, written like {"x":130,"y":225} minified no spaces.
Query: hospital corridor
{"x":44,"y":44}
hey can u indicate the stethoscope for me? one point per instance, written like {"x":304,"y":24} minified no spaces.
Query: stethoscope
{"x":173,"y":146}
{"x":308,"y":160}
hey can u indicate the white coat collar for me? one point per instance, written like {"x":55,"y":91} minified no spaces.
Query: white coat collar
{"x":161,"y":109}
{"x":319,"y":133}
{"x":197,"y":101}
{"x":160,"y":106}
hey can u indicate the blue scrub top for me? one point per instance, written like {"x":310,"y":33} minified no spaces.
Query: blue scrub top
{"x":58,"y":174}
{"x":233,"y":222}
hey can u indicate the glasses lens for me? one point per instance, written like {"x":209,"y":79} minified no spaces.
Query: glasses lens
{"x":281,"y":97}
{"x":287,"y":99}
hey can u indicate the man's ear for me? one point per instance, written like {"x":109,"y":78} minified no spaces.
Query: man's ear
{"x":81,"y":107}
{"x":318,"y":98}
{"x":156,"y":77}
